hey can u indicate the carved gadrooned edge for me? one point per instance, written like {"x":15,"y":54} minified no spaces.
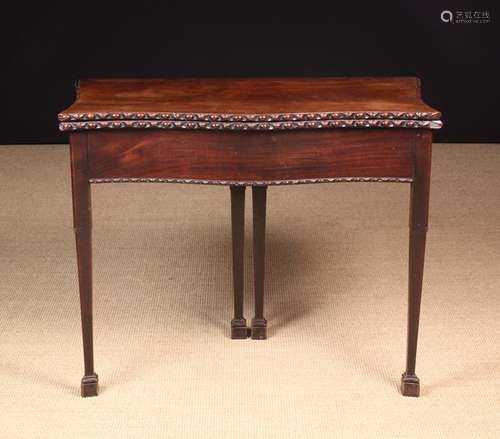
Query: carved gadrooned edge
{"x":242,"y":126}
{"x":230,"y":117}
{"x":251,"y":183}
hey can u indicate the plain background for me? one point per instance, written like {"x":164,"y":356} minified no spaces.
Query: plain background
{"x":51,"y":44}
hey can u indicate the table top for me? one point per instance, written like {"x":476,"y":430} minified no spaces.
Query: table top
{"x":249,"y":103}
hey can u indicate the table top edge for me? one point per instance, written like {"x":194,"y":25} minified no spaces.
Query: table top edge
{"x":241,"y":103}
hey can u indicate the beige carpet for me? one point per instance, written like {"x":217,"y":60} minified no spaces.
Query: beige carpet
{"x":336,"y":305}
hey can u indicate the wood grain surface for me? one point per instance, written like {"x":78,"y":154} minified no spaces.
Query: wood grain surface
{"x":250,"y":156}
{"x":247,"y":100}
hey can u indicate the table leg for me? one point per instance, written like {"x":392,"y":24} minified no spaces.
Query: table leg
{"x":239,"y":329}
{"x":82,"y":225}
{"x":419,"y":208}
{"x":259,"y":323}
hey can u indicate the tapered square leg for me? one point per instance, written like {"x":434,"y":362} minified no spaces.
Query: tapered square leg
{"x":82,"y":225}
{"x":259,"y":197}
{"x":239,"y":328}
{"x":419,"y":212}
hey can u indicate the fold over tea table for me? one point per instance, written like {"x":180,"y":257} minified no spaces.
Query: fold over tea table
{"x":250,"y":132}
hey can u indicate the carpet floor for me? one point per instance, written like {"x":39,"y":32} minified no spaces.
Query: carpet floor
{"x":336,"y":281}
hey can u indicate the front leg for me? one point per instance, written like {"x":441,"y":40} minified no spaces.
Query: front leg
{"x":82,"y":224}
{"x":419,"y":208}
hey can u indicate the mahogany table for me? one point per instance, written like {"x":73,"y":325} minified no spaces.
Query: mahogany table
{"x":250,"y":132}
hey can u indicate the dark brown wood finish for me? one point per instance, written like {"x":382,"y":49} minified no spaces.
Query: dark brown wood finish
{"x":370,"y":121}
{"x":82,"y":220}
{"x":249,"y":99}
{"x":239,"y":329}
{"x":251,"y":132}
{"x":259,"y":197}
{"x":251,"y":156}
{"x":419,"y":211}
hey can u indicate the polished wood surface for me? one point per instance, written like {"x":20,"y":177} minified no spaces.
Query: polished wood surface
{"x":251,"y":132}
{"x":251,"y":157}
{"x":82,"y":221}
{"x":419,"y":212}
{"x":259,"y":200}
{"x":260,"y":99}
{"x":239,"y":327}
